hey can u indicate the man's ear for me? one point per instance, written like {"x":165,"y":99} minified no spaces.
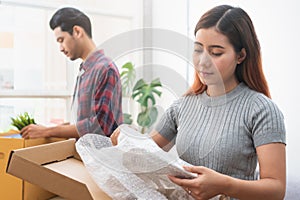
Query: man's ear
{"x":241,"y":56}
{"x":77,"y":31}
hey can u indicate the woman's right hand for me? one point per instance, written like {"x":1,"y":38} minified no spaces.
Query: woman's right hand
{"x":114,"y":136}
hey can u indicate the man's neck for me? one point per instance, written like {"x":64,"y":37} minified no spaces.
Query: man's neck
{"x":90,"y":48}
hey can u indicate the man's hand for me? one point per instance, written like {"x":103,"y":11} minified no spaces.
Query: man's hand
{"x":34,"y":131}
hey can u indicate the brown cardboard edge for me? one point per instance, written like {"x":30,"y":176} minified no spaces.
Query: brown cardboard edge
{"x":32,"y":171}
{"x":10,"y":132}
{"x":55,"y":151}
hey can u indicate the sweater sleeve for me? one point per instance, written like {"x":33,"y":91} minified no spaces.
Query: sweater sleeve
{"x":167,"y":126}
{"x":267,"y":122}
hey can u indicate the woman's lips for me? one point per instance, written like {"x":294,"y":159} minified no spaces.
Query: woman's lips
{"x":205,"y":74}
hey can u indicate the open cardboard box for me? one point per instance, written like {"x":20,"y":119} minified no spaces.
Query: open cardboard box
{"x":56,"y":167}
{"x":13,"y":188}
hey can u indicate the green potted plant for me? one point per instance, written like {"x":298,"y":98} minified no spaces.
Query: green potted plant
{"x":144,"y":94}
{"x":22,"y":120}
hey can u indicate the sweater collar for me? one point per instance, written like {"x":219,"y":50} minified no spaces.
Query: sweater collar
{"x":223,"y":99}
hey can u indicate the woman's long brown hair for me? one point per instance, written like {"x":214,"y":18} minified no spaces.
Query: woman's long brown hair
{"x":237,"y":26}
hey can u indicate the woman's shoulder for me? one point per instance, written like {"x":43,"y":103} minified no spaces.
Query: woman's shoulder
{"x":181,"y":101}
{"x":258,"y":97}
{"x":259,"y":102}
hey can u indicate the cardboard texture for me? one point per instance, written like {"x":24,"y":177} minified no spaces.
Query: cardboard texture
{"x":12,"y":188}
{"x":57,"y":168}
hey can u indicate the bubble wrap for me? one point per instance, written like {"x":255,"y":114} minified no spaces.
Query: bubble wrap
{"x":136,"y":168}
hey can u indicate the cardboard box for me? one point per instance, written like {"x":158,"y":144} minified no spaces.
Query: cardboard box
{"x":12,"y":188}
{"x":57,"y":168}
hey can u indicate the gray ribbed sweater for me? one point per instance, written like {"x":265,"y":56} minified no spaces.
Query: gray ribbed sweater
{"x":222,"y":132}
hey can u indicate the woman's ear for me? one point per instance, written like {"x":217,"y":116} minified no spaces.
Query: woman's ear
{"x":241,"y":56}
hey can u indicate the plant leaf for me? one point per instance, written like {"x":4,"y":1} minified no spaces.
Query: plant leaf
{"x":156,"y":82}
{"x":127,"y":78}
{"x":143,"y":92}
{"x":139,"y":84}
{"x":147,"y":117}
{"x":127,"y":118}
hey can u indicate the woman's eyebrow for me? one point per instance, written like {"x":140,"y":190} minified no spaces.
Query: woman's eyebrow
{"x":210,"y":46}
{"x":216,"y":46}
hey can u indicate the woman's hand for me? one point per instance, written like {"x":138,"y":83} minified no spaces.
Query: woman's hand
{"x":114,"y":136}
{"x":208,"y":184}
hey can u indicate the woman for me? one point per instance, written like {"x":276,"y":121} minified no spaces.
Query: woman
{"x":226,"y":122}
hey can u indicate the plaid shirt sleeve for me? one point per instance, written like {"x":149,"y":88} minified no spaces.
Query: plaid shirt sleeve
{"x":101,"y":111}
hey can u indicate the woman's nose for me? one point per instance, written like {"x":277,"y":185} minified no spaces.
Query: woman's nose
{"x":204,"y":60}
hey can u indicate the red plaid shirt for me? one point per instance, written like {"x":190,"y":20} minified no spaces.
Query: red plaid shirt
{"x":99,"y":96}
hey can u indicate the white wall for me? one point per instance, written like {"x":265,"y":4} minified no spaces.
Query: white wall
{"x":278,"y":30}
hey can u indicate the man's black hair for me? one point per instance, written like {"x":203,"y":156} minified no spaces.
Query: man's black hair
{"x":67,"y":18}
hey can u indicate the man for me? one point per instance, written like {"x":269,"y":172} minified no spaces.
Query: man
{"x":98,"y":88}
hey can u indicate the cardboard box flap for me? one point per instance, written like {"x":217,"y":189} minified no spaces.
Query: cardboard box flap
{"x":59,"y":151}
{"x":56,"y":168}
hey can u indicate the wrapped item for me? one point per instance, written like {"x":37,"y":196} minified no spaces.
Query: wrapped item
{"x":136,"y":168}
